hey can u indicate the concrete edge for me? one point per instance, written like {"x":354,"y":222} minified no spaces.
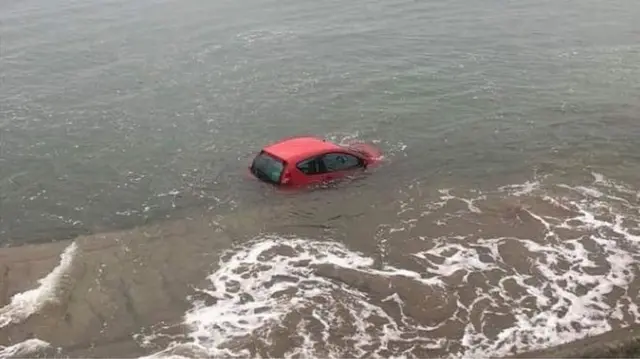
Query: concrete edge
{"x":617,"y":343}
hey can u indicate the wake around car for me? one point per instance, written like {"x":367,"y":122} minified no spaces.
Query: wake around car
{"x":307,"y":160}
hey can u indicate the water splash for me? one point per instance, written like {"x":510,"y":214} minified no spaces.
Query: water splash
{"x":25,"y":304}
{"x":556,"y":266}
{"x":23,"y":349}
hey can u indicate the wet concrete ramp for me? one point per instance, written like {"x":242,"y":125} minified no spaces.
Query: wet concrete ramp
{"x":97,"y":291}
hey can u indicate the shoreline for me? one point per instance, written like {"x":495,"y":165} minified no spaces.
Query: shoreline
{"x":123,"y":286}
{"x":616,"y":343}
{"x":91,"y":295}
{"x":23,"y":267}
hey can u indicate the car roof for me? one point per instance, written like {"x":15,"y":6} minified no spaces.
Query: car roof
{"x":297,"y":148}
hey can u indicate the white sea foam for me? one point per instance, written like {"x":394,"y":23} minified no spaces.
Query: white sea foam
{"x":567,"y":276}
{"x":25,"y":304}
{"x":390,"y":149}
{"x":247,"y":288}
{"x":521,"y":189}
{"x":265,"y":35}
{"x":344,"y":138}
{"x":23,"y":349}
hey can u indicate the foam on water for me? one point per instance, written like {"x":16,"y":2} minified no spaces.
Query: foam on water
{"x":258,"y":286}
{"x":390,"y":149}
{"x":518,"y":190}
{"x":265,"y":35}
{"x":27,"y":303}
{"x":486,"y":287}
{"x":23,"y":349}
{"x":344,"y":138}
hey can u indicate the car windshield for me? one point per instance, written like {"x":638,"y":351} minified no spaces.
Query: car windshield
{"x":267,"y":167}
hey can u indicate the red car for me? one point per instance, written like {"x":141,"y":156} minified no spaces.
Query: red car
{"x":301,"y":161}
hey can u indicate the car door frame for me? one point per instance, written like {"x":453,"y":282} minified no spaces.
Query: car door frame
{"x":310,"y":178}
{"x":333,"y":175}
{"x":324,"y":175}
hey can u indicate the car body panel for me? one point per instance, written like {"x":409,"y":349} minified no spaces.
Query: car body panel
{"x":296,"y":148}
{"x":310,"y":160}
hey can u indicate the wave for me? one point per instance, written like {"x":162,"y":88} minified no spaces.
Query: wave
{"x":482,"y":274}
{"x":25,"y":304}
{"x":31,"y":302}
{"x":23,"y":349}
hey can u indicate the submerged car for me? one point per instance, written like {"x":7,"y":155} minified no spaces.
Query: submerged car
{"x":307,"y":160}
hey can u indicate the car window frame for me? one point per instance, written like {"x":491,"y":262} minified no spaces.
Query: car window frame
{"x":264,"y":176}
{"x":321,"y":168}
{"x":360,"y":163}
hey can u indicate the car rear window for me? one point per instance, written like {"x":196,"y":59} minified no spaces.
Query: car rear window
{"x":267,"y":167}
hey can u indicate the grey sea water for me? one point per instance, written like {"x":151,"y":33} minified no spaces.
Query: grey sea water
{"x":125,"y":121}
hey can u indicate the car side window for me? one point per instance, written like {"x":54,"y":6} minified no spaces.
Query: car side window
{"x":340,"y":162}
{"x":310,"y":166}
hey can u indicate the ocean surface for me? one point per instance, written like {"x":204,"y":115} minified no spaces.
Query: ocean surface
{"x":505,"y":216}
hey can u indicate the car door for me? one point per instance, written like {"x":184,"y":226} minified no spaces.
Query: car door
{"x":312,"y":170}
{"x":339,"y":164}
